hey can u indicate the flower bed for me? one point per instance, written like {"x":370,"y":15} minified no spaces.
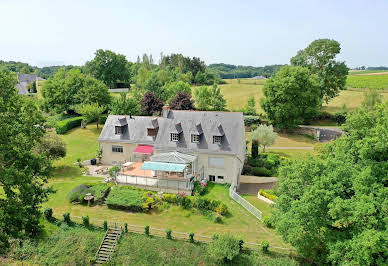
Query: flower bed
{"x":269,"y":194}
{"x":125,"y":198}
{"x":98,"y":190}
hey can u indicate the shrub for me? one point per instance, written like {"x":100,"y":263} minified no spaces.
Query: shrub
{"x":125,"y":198}
{"x":79,"y":162}
{"x":66,"y":218}
{"x":253,"y":127}
{"x":168,"y":234}
{"x":48,"y":214}
{"x":105,"y":225}
{"x":215,"y":236}
{"x":264,"y":246}
{"x":340,"y":118}
{"x":65,"y":125}
{"x":191,"y":237}
{"x":269,"y":194}
{"x":199,"y":188}
{"x":85,"y":221}
{"x":252,"y":120}
{"x":261,"y":171}
{"x":224,"y":248}
{"x":78,"y":193}
{"x":170,"y":198}
{"x":147,"y":230}
{"x":241,"y":244}
{"x":269,"y":221}
{"x":217,"y":219}
{"x":222,"y":209}
{"x":125,"y":228}
{"x":99,"y":191}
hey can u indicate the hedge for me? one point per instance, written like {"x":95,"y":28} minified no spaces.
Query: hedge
{"x":252,"y":120}
{"x":65,"y":125}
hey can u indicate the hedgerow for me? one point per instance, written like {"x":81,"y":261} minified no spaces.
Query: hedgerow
{"x":65,"y":125}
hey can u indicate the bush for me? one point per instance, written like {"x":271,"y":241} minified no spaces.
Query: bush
{"x":199,"y":188}
{"x":66,"y":218}
{"x":269,"y":194}
{"x":125,"y":198}
{"x":125,"y":228}
{"x":253,"y":127}
{"x":147,"y":230}
{"x":105,"y":225}
{"x":78,"y":193}
{"x":85,"y":221}
{"x":224,"y":248}
{"x":269,"y":221}
{"x":261,"y":171}
{"x":170,"y":198}
{"x":241,"y":244}
{"x":218,"y":219}
{"x":252,"y":120}
{"x":168,"y":234}
{"x":264,"y":246}
{"x":222,"y":209}
{"x":48,"y":214}
{"x":65,"y":125}
{"x":340,"y":118}
{"x":191,"y":237}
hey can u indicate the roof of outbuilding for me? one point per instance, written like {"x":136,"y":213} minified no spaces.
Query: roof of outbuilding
{"x":232,"y":127}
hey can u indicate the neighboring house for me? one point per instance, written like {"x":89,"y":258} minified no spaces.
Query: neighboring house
{"x":175,"y":149}
{"x":24,"y":80}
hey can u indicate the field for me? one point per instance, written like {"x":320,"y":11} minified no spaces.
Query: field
{"x":237,"y":93}
{"x":372,"y":81}
{"x":358,"y":72}
{"x":82,"y":143}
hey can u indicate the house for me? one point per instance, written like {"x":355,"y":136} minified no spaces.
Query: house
{"x":175,"y":149}
{"x":24,"y":80}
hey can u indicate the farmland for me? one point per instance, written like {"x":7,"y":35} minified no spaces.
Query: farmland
{"x":371,"y":80}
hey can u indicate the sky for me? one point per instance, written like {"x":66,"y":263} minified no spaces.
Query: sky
{"x":241,"y":32}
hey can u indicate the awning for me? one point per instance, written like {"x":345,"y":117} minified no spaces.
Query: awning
{"x":127,"y":164}
{"x":145,"y":149}
{"x":166,"y":167}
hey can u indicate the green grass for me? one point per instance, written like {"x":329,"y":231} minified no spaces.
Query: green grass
{"x":135,"y":249}
{"x":367,"y":81}
{"x":125,"y":196}
{"x":82,"y":143}
{"x":357,"y":72}
{"x":293,"y":154}
{"x":264,"y":207}
{"x":73,"y":246}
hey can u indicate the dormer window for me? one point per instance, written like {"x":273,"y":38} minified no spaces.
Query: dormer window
{"x":195,"y":138}
{"x":152,"y":132}
{"x":118,"y":130}
{"x":174,"y":136}
{"x":217,"y":139}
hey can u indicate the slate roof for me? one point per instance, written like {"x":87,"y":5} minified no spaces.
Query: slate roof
{"x":232,"y":127}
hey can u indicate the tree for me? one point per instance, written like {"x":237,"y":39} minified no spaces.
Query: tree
{"x":250,"y":106}
{"x":52,"y":146}
{"x":209,"y":99}
{"x":154,"y":85}
{"x":292,"y":97}
{"x":23,"y":172}
{"x":264,"y":135}
{"x":150,"y":104}
{"x":371,"y":98}
{"x":70,"y":88}
{"x":125,"y":105}
{"x":109,"y":67}
{"x":32,"y":87}
{"x":172,"y":89}
{"x":90,"y":112}
{"x":339,"y":198}
{"x":224,"y":248}
{"x":319,"y":57}
{"x":182,"y":101}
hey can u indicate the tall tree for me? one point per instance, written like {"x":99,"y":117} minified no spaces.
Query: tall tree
{"x":292,"y":97}
{"x":319,"y":57}
{"x":250,"y":106}
{"x":109,"y":67}
{"x":69,"y":88}
{"x":338,"y":200}
{"x":150,"y":104}
{"x":209,"y":99}
{"x":90,"y":112}
{"x":23,"y":172}
{"x":125,"y":105}
{"x":182,"y":101}
{"x":172,"y":89}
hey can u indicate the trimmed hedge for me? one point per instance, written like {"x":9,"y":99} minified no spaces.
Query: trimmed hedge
{"x":65,"y":125}
{"x":252,"y":120}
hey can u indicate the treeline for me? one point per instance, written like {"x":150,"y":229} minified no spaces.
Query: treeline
{"x":371,"y":68}
{"x":227,"y":71}
{"x":25,"y":68}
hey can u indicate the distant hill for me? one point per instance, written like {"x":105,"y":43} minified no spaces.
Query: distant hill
{"x":227,"y":71}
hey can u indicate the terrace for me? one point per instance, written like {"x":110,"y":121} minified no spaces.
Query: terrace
{"x":168,"y":172}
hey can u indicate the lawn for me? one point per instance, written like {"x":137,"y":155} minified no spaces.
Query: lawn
{"x":264,"y":207}
{"x":82,"y":143}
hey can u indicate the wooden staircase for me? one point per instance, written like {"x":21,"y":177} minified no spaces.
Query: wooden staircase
{"x":108,"y":245}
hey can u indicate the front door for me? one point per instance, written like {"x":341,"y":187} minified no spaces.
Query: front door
{"x":212,"y":178}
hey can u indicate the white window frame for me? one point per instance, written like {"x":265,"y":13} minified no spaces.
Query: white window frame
{"x":195,"y":138}
{"x":220,"y":177}
{"x":216,"y":162}
{"x":120,"y":131}
{"x":217,"y":139}
{"x":116,"y":149}
{"x":174,"y":137}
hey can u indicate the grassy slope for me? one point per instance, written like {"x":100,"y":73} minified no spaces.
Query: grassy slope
{"x":135,"y":249}
{"x":82,"y":143}
{"x":264,"y":207}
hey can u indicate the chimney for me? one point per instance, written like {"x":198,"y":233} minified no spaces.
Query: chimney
{"x":165,"y":111}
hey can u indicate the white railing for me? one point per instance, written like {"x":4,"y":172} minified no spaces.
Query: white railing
{"x":249,"y":207}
